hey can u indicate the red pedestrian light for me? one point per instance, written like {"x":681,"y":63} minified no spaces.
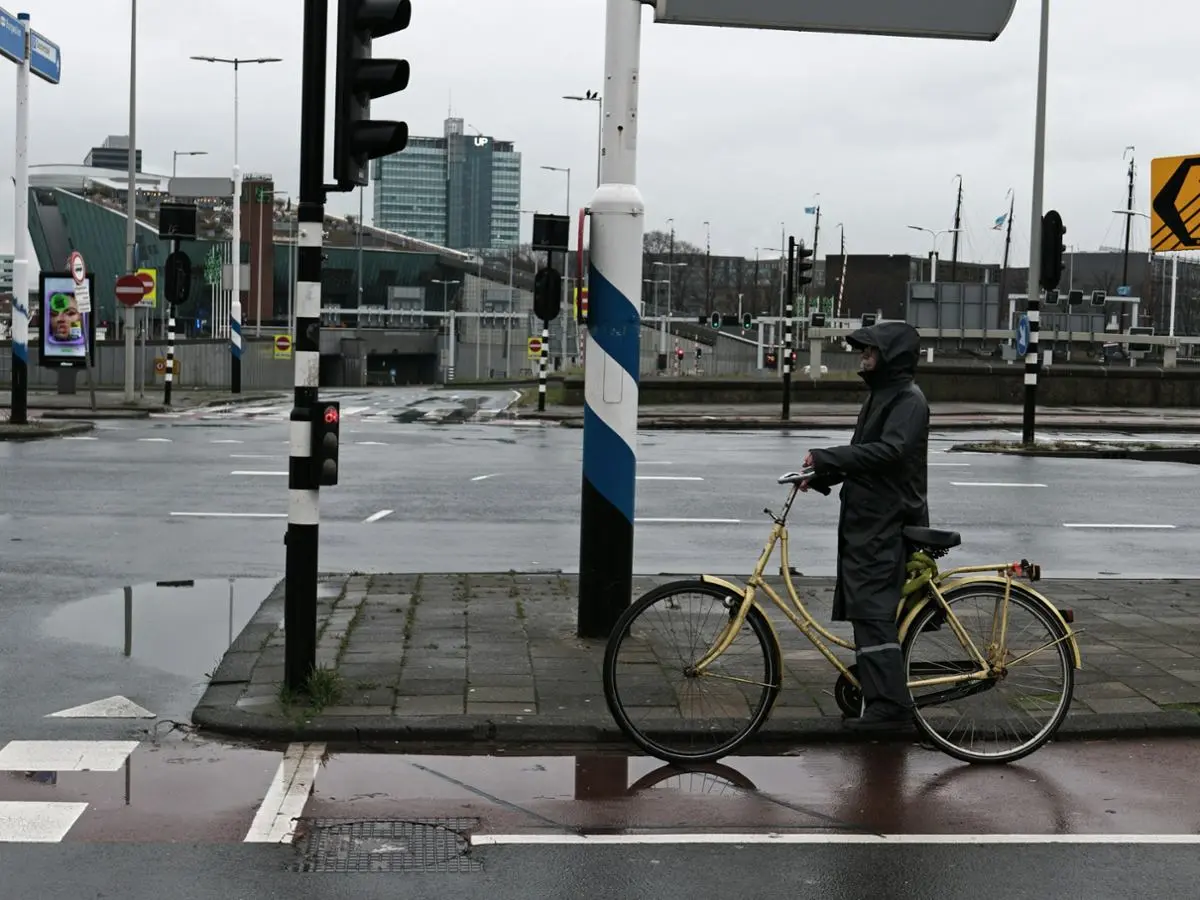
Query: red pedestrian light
{"x":331,"y":415}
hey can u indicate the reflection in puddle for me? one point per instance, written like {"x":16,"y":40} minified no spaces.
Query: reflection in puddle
{"x":184,"y":629}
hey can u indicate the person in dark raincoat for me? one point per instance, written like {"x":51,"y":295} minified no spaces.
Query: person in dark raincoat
{"x":884,"y":477}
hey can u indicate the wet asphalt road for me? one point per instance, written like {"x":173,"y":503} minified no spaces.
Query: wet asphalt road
{"x":81,"y":518}
{"x":203,"y":496}
{"x":824,"y":822}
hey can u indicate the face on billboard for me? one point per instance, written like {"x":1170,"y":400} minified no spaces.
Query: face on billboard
{"x":64,"y":327}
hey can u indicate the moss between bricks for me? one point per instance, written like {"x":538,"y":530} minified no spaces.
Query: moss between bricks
{"x":1186,"y":707}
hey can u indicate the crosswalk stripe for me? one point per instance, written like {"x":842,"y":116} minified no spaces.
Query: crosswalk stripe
{"x":275,"y":821}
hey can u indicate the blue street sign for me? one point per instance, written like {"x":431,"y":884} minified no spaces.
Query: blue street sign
{"x":12,"y":37}
{"x":45,"y":60}
{"x":1124,"y":291}
{"x":1023,"y":335}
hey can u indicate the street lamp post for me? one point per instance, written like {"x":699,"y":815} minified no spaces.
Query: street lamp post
{"x":175,"y":154}
{"x":936,"y":235}
{"x":594,"y":97}
{"x":662,"y":325}
{"x":450,"y":324}
{"x":1129,"y":213}
{"x":236,"y":238}
{"x":131,"y":201}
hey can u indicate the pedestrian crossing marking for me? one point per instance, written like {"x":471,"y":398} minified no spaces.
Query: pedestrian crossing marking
{"x":37,"y":822}
{"x":65,"y":756}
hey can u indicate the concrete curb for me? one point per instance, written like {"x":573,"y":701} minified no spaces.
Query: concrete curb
{"x":41,"y":432}
{"x":1150,"y":454}
{"x":112,"y":413}
{"x":544,"y":731}
{"x":811,"y":423}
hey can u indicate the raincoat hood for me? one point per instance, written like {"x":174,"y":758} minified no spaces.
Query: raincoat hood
{"x":899,"y":346}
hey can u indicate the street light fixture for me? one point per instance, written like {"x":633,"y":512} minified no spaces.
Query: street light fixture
{"x":568,"y":171}
{"x":445,"y":290}
{"x":175,"y":154}
{"x":936,"y":235}
{"x":236,"y":237}
{"x":594,"y":97}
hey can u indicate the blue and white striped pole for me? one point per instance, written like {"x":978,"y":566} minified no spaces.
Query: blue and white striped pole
{"x":613,"y":337}
{"x":19,"y":414}
{"x":235,"y":345}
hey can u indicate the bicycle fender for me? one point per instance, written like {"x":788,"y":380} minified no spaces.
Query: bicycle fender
{"x":999,"y":582}
{"x":740,"y":592}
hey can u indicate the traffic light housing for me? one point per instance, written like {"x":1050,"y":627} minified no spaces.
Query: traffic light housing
{"x":747,"y":321}
{"x":1099,"y":298}
{"x":547,"y":293}
{"x":1053,"y":250}
{"x":326,"y":438}
{"x":869,"y":319}
{"x":360,"y":79}
{"x":817,"y":320}
{"x":803,"y":266}
{"x":714,"y":321}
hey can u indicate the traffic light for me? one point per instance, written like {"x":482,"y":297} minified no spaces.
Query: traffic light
{"x":818,"y":320}
{"x":326,"y":436}
{"x":803,"y":266}
{"x":1074,"y":298}
{"x":1051,"y":298}
{"x":1053,"y":249}
{"x":547,"y":293}
{"x":1099,"y":298}
{"x":714,"y":320}
{"x":747,"y":321}
{"x":360,"y":79}
{"x":868,"y":319}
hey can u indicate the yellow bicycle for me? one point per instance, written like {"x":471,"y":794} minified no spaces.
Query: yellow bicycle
{"x":990,"y":661}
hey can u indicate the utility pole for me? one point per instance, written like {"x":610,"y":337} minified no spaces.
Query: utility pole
{"x":816,"y":242}
{"x":842,"y":282}
{"x":708,"y":299}
{"x":957,"y":227}
{"x":1128,"y":228}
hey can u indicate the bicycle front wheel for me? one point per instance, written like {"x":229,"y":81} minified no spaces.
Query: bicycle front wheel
{"x":657,"y":700}
{"x":1025,"y":698}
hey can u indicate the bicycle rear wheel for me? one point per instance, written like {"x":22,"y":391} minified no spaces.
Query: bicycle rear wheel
{"x":1020,"y":706}
{"x":685,"y":717}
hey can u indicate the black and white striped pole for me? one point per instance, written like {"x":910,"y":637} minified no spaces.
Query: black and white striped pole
{"x":543,"y":358}
{"x":1032,"y":362}
{"x":168,"y":377}
{"x":303,"y":523}
{"x":785,"y":351}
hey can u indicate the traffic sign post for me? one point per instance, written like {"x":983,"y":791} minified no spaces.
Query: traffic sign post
{"x":130,"y":290}
{"x":178,"y":282}
{"x":34,"y":55}
{"x":83,"y":302}
{"x":1022,"y":335}
{"x":283,"y":347}
{"x":535,"y":347}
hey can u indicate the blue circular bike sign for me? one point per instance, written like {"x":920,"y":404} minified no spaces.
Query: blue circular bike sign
{"x":1023,"y":335}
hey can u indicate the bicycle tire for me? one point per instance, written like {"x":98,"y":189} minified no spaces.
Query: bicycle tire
{"x":772,"y":657}
{"x":1038,"y":607}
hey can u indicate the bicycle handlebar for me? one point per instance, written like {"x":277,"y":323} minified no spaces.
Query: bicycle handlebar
{"x":797,"y":477}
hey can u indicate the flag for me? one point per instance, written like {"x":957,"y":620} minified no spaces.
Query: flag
{"x":1000,"y":220}
{"x":810,"y":210}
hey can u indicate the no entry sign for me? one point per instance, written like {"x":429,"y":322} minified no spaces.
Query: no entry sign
{"x":130,"y":290}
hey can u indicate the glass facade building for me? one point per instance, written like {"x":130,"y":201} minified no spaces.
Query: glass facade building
{"x":460,"y":191}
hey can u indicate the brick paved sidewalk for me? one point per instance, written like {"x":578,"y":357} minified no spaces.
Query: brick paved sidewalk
{"x":493,"y":658}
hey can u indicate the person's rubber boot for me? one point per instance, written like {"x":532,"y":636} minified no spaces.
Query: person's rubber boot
{"x":882,"y":718}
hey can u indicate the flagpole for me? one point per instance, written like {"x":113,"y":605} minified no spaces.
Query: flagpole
{"x":1007,"y":245}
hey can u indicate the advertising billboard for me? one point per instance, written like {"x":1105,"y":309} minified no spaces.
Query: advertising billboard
{"x":64,"y":327}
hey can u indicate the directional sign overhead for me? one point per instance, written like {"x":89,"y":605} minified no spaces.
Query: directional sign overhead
{"x":978,"y":20}
{"x":12,"y":37}
{"x":1175,"y":203}
{"x":45,"y":60}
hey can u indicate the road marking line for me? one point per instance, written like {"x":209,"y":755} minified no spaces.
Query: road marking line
{"x":382,"y":514}
{"x":37,"y":822}
{"x":255,"y":456}
{"x":229,"y":515}
{"x":370,"y":443}
{"x":275,"y":821}
{"x":88,"y":438}
{"x":491,"y":840}
{"x":654,"y":462}
{"x":669,"y":478}
{"x":999,"y":484}
{"x":485,"y":477}
{"x":154,"y":440}
{"x":952,"y":465}
{"x":354,"y":410}
{"x":65,"y":756}
{"x":254,"y":472}
{"x":115,"y":707}
{"x":1111,"y":525}
{"x":226,"y":441}
{"x":670,"y":521}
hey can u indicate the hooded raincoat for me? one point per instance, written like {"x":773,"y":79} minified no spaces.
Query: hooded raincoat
{"x":884,"y":477}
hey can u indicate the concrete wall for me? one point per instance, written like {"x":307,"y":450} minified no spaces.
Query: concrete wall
{"x":1098,"y":386}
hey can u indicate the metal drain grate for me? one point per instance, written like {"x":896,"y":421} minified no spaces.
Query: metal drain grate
{"x":392,"y":845}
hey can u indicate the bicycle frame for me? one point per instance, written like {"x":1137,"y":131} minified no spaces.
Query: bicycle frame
{"x":923,"y":574}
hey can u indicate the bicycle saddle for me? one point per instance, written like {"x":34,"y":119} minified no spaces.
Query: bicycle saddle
{"x":931,"y":538}
{"x":796,"y":477}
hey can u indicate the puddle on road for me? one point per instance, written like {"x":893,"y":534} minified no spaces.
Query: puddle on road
{"x":181,"y":627}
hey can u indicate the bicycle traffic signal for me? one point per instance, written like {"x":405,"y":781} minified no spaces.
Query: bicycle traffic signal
{"x":326,"y":438}
{"x":1053,"y":249}
{"x":803,"y":267}
{"x":360,"y":79}
{"x":547,"y":293}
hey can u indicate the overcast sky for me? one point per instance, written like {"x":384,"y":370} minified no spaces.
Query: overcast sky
{"x":739,"y":128}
